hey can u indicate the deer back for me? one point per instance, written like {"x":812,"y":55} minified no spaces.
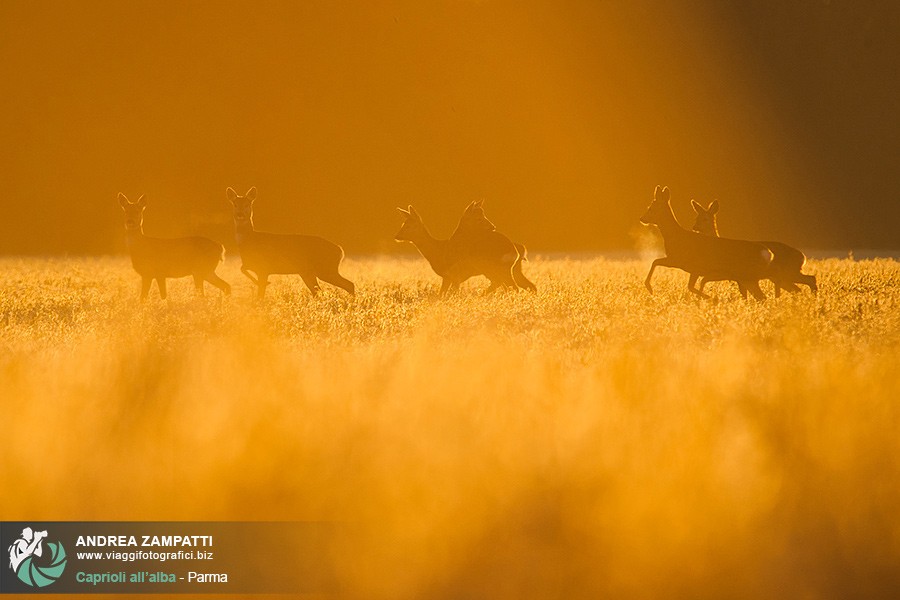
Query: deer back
{"x":288,"y":253}
{"x":722,"y":257}
{"x":176,"y":257}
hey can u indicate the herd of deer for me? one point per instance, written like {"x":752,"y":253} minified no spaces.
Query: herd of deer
{"x":475,"y":248}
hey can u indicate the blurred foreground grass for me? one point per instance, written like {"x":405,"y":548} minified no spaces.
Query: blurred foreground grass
{"x":588,"y":441}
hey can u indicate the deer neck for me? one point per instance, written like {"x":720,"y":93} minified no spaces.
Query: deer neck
{"x":431,"y":248}
{"x":133,"y":237}
{"x":242,"y":231}
{"x":668,"y":224}
{"x":459,"y":231}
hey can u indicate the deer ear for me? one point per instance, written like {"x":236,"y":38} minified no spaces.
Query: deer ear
{"x":665,"y":195}
{"x":141,"y":202}
{"x":714,"y":207}
{"x":656,"y":192}
{"x":413,"y":212}
{"x":696,"y":206}
{"x":231,"y":194}
{"x":480,"y":203}
{"x":123,"y":200}
{"x":403,"y":211}
{"x":251,"y":194}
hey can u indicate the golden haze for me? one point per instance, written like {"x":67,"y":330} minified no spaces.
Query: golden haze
{"x":561,"y":115}
{"x":589,"y":440}
{"x":586,"y":441}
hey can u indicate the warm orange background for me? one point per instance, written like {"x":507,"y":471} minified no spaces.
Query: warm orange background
{"x":562,"y":115}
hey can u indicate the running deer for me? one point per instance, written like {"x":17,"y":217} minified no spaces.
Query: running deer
{"x":472,"y":226}
{"x":311,"y":257}
{"x":492,"y":255}
{"x":787,"y":262}
{"x":159,"y":259}
{"x":704,"y":256}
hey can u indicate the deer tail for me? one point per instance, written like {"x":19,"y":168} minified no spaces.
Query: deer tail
{"x":518,"y":275}
{"x":523,"y":251}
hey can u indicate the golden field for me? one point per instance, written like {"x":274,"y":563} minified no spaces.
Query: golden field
{"x":589,"y":441}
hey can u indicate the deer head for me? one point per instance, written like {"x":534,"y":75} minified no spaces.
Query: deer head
{"x":412,"y":228}
{"x":659,"y":208}
{"x":243,"y":205}
{"x":705,"y":221}
{"x":474,"y":219}
{"x":134,"y":212}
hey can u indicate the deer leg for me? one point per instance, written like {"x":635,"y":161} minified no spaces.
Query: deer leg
{"x":495,"y":285}
{"x":261,"y":283}
{"x":659,"y":262}
{"x":335,"y":278}
{"x":753,"y":288}
{"x":161,"y":283}
{"x":691,"y":286}
{"x":787,"y":282}
{"x":446,"y":286}
{"x":808,"y":280}
{"x":145,"y":286}
{"x":219,"y":283}
{"x":198,"y":284}
{"x":520,"y":278}
{"x":742,"y":288}
{"x":786,"y":285}
{"x":781,"y":284}
{"x":249,"y":275}
{"x":650,"y":276}
{"x":508,"y":279}
{"x":346,"y":284}
{"x":500,"y":277}
{"x":311,"y":282}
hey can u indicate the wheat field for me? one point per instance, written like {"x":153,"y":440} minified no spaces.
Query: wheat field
{"x":588,"y":441}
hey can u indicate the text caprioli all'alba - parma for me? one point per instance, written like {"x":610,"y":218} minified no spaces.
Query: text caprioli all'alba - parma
{"x":145,"y":541}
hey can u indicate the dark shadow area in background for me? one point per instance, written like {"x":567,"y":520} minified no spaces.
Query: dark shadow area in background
{"x":832,"y":72}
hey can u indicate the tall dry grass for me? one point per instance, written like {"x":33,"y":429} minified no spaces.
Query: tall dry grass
{"x":588,"y":441}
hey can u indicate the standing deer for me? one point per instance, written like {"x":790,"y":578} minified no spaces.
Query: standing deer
{"x":492,"y":254}
{"x":787,"y":262}
{"x":156,"y":258}
{"x":311,"y":257}
{"x":473,"y":225}
{"x":703,"y":256}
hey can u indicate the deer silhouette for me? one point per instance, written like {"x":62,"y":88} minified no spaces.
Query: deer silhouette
{"x":471,"y":230}
{"x":703,"y":256}
{"x":491,"y":254}
{"x":159,"y":258}
{"x":787,"y":262}
{"x":312,"y":257}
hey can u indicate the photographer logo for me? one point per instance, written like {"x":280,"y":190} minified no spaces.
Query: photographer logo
{"x":36,"y":563}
